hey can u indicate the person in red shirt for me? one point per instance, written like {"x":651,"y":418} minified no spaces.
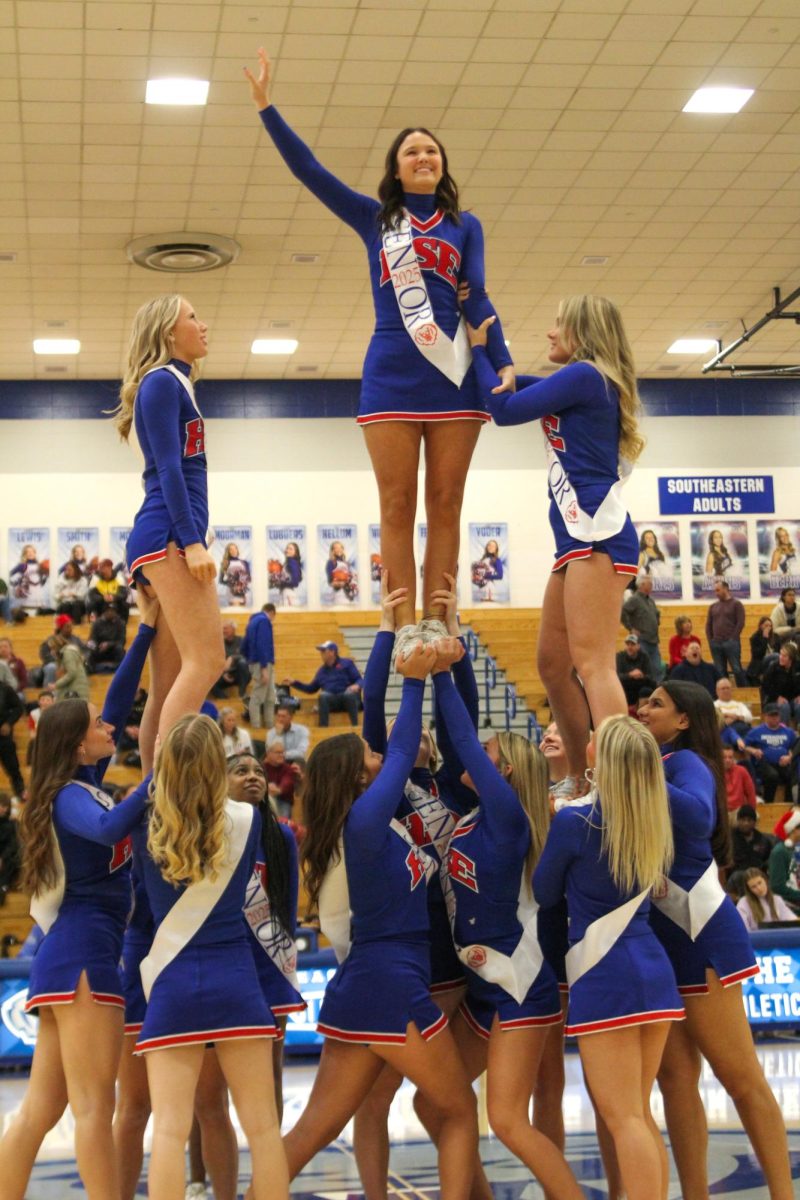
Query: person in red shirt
{"x":281,"y":778}
{"x":682,"y":637}
{"x":738,"y":784}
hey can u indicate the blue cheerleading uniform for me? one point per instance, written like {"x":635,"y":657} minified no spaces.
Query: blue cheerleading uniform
{"x":279,"y":993}
{"x":135,"y":946}
{"x":208,"y":991}
{"x":723,"y":943}
{"x":384,"y":982}
{"x":579,"y":415}
{"x":398,"y":383}
{"x":93,"y":838}
{"x":632,"y":983}
{"x":485,"y":868}
{"x":171,"y":433}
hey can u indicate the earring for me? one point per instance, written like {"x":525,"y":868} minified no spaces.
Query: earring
{"x":588,"y":775}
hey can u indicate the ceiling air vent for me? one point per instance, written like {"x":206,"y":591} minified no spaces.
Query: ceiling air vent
{"x":54,"y":370}
{"x":308,"y":370}
{"x":305,"y":258}
{"x":594,"y":260}
{"x":279,"y":324}
{"x":7,"y":256}
{"x":184,"y":253}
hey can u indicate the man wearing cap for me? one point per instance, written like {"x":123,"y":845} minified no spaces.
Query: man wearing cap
{"x":45,"y":674}
{"x":771,"y":746}
{"x":634,"y":669}
{"x":258,"y":648}
{"x":641,"y":616}
{"x":338,"y":682}
{"x":694,"y":670}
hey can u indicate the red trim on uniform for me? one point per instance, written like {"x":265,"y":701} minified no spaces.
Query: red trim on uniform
{"x":281,"y":1010}
{"x":424,"y":226}
{"x":693,"y":989}
{"x":474,"y":1025}
{"x":625,"y":568}
{"x":529,"y":1022}
{"x":667,"y":1014}
{"x":133,"y":1030}
{"x":207,"y":1035}
{"x":145,"y":559}
{"x":467,"y":414}
{"x":571,"y":555}
{"x":447,"y":985}
{"x":738,"y":976}
{"x":563,"y":989}
{"x":49,"y":998}
{"x":431,"y":1031}
{"x":363,"y":1036}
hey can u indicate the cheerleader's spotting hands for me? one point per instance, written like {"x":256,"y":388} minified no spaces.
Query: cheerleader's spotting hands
{"x":480,"y":337}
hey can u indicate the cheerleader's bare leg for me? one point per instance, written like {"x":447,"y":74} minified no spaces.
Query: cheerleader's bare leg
{"x":172,"y":1075}
{"x":449,"y":446}
{"x":394,"y":448}
{"x":42,"y":1107}
{"x":371,"y":1134}
{"x":566,"y":696}
{"x":217,"y":1135}
{"x":130,"y":1117}
{"x":679,"y":1079}
{"x":165,"y":665}
{"x":247,"y":1065}
{"x":548,"y":1089}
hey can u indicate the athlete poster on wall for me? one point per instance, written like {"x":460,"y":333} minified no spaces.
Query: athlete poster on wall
{"x":337,"y":546}
{"x":778,"y":559}
{"x":79,"y":546}
{"x":286,"y":565}
{"x":29,"y":567}
{"x":719,"y":551}
{"x":232,"y":551}
{"x":118,"y":553}
{"x":375,"y":563}
{"x":660,"y":557}
{"x":488,"y":559}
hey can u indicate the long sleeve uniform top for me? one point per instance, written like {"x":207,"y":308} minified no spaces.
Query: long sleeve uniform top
{"x":258,"y":643}
{"x":693,"y":810}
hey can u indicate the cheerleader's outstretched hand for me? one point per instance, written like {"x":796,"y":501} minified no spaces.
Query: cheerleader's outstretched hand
{"x":200,"y":563}
{"x":419,"y":663}
{"x":260,"y":83}
{"x":389,"y":603}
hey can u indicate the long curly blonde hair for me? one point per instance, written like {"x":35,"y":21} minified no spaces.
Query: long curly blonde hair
{"x":187,"y":835}
{"x":594,"y":325}
{"x":148,"y":347}
{"x":529,"y":779}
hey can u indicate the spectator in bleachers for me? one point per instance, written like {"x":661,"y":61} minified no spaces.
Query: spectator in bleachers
{"x":780,"y":683}
{"x":784,"y":616}
{"x":235,"y":739}
{"x":764,"y":647}
{"x":236,"y":672}
{"x":733,"y":712}
{"x":16,"y":667}
{"x":633,"y":667}
{"x":749,"y":846}
{"x":295,"y":737}
{"x":759,"y":905}
{"x":11,"y":709}
{"x":71,"y":678}
{"x":9,"y":848}
{"x":45,"y":673}
{"x":724,"y":625}
{"x":258,"y":649}
{"x":5,"y":602}
{"x":738,"y":782}
{"x":107,"y":643}
{"x":640,"y":615}
{"x":770,"y":745}
{"x":681,"y":638}
{"x":783,"y":868}
{"x":338,"y":682}
{"x":108,"y":586}
{"x":70,"y":592}
{"x":281,"y":779}
{"x":694,"y":669}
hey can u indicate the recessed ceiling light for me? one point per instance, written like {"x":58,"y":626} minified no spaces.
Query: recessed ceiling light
{"x":273,"y":346}
{"x":56,"y":346}
{"x":718,"y":100}
{"x":692,"y":346}
{"x":176,"y":91}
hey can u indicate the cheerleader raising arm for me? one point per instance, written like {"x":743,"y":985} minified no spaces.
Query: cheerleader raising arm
{"x":376,"y":674}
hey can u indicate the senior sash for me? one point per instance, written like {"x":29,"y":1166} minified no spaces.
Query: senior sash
{"x":692,"y":910}
{"x":599,"y":937}
{"x":610,"y":516}
{"x":45,"y":905}
{"x":194,"y":906}
{"x":436,"y":818}
{"x":451,"y":357}
{"x":268,"y":931}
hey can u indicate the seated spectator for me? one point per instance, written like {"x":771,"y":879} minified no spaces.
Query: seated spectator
{"x":733,"y":712}
{"x":10,"y":858}
{"x":281,"y":778}
{"x":784,"y":616}
{"x":71,"y":678}
{"x":749,"y":846}
{"x":779,"y":828}
{"x":770,"y":746}
{"x":11,"y":709}
{"x":758,"y":905}
{"x":70,"y":592}
{"x":107,"y":643}
{"x":45,"y":699}
{"x":17,"y":668}
{"x":694,"y":670}
{"x":780,"y":683}
{"x":783,"y":865}
{"x":108,"y":587}
{"x":338,"y":682}
{"x":764,"y":647}
{"x":128,"y":744}
{"x":236,"y":672}
{"x":235,"y":739}
{"x":681,"y":638}
{"x":738,"y":782}
{"x":45,"y":674}
{"x":633,"y":667}
{"x":5,"y":602}
{"x":295,"y":737}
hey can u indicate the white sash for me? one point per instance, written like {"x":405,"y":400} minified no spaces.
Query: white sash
{"x":452,"y":358}
{"x":610,"y":516}
{"x":599,"y":937}
{"x":194,"y":906}
{"x":268,"y":931}
{"x":437,"y":820}
{"x":45,"y":905}
{"x":692,"y":910}
{"x":513,"y":972}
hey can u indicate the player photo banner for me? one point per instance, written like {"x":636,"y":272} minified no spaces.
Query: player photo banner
{"x":80,"y":547}
{"x":118,"y":546}
{"x":719,"y":551}
{"x":375,"y":563}
{"x":338,"y":555}
{"x":488,"y":558}
{"x":660,"y":557}
{"x":29,"y":567}
{"x":286,"y":565}
{"x":232,"y":551}
{"x":778,"y":560}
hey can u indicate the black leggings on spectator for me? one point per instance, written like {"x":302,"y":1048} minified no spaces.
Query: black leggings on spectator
{"x":8,"y":757}
{"x":771,"y":775}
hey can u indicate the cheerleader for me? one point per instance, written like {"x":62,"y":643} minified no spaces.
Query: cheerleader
{"x":589,"y":416}
{"x":650,"y":553}
{"x":167,"y":556}
{"x":784,"y":554}
{"x":605,"y":855}
{"x":234,"y":576}
{"x":417,"y":383}
{"x":196,"y":856}
{"x":709,"y":949}
{"x":77,"y":867}
{"x":369,"y":880}
{"x":718,"y":560}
